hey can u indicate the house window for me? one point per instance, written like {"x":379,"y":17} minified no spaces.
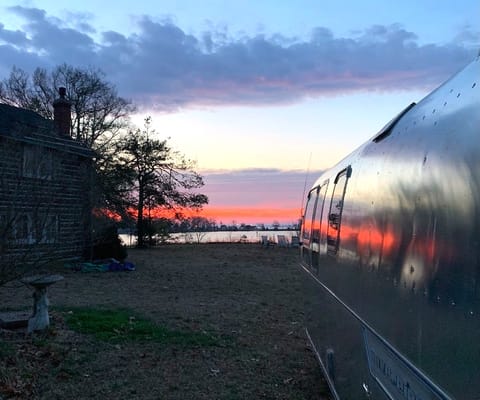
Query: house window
{"x":41,"y":229}
{"x":6,"y":229}
{"x":37,"y":162}
{"x":23,"y":229}
{"x":29,"y":161}
{"x":49,"y":229}
{"x":3,"y":230}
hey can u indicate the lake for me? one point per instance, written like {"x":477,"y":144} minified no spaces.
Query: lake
{"x":220,"y":237}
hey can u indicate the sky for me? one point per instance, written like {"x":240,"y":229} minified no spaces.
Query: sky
{"x":263,"y":95}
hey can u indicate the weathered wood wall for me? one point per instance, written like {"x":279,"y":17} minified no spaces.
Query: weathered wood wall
{"x":63,"y":197}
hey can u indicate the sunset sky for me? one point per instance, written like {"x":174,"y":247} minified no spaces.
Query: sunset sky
{"x":262,"y":94}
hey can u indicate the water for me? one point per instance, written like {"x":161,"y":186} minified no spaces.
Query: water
{"x":220,"y":237}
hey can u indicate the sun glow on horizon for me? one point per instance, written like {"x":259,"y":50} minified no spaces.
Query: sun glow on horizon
{"x":238,"y":215}
{"x":251,"y":215}
{"x":221,"y":214}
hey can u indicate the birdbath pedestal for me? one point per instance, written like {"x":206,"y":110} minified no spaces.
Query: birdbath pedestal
{"x":40,"y":319}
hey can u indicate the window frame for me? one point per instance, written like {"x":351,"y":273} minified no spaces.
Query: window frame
{"x":37,"y":162}
{"x":27,"y":236}
{"x":333,"y":241}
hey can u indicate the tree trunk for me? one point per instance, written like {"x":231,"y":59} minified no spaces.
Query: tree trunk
{"x":140,"y":227}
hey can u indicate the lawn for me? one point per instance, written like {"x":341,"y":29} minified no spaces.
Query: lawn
{"x":205,"y":321}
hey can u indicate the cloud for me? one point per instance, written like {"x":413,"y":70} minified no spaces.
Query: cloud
{"x":13,"y":38}
{"x":160,"y":66}
{"x":257,"y":195}
{"x":54,"y":43}
{"x":258,"y":187}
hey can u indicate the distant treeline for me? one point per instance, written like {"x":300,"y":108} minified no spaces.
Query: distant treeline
{"x":201,"y":224}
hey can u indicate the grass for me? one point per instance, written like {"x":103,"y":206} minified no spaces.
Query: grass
{"x":6,"y":350}
{"x":121,"y":325}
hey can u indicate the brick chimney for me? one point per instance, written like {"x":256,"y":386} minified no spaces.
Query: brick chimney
{"x":61,"y":113}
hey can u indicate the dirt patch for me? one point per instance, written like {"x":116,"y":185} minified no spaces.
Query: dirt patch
{"x":249,"y":298}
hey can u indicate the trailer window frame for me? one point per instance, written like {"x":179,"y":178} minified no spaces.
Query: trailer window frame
{"x":335,"y":219}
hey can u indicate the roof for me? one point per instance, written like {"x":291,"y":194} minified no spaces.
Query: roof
{"x":29,"y":127}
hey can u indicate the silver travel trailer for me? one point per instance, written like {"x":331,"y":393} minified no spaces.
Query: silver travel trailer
{"x":391,"y":254}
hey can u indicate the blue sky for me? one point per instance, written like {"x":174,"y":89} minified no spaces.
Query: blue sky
{"x":253,"y":88}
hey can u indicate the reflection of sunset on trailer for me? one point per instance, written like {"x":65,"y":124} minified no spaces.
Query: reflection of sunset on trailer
{"x":391,"y":251}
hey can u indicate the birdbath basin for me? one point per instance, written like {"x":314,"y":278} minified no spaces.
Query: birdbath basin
{"x":40,"y":319}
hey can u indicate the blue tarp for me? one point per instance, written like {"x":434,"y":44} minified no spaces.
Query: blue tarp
{"x":101,"y":266}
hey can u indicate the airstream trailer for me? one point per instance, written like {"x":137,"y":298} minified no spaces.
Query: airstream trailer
{"x":391,"y":255}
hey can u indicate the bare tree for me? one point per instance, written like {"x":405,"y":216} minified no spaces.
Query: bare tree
{"x":199,"y":227}
{"x":153,"y":175}
{"x":98,"y":116}
{"x":98,"y":112}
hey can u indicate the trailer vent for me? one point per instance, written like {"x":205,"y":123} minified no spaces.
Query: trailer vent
{"x":387,"y":129}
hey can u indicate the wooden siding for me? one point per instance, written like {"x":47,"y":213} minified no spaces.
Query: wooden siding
{"x":64,"y":195}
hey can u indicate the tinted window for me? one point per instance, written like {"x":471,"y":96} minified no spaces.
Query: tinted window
{"x":335,"y":212}
{"x":307,"y":226}
{"x":318,"y":231}
{"x":307,"y":219}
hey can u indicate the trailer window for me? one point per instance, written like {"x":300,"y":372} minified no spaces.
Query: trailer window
{"x":307,"y":225}
{"x":307,"y":219}
{"x":318,"y":229}
{"x":336,"y":209}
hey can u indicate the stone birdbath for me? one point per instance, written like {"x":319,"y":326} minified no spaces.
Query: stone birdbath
{"x":40,"y":319}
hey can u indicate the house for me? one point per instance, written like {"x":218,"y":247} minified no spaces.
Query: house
{"x":45,"y":181}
